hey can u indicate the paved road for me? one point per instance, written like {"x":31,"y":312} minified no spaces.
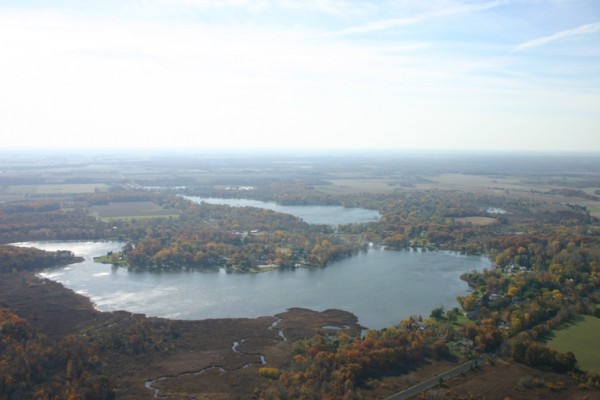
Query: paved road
{"x":432,"y":382}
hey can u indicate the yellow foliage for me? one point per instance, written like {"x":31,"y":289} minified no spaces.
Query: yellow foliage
{"x":513,"y":291}
{"x":269,"y":372}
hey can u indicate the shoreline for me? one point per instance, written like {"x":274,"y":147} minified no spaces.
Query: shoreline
{"x":180,"y":302}
{"x":175,"y":346}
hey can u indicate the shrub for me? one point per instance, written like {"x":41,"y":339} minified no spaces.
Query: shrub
{"x":269,"y":372}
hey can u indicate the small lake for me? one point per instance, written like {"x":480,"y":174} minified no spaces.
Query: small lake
{"x":328,"y":215}
{"x":381,"y":287}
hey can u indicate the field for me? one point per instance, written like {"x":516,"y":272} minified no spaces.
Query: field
{"x":581,"y":337}
{"x":477,"y":221}
{"x":58,"y":189}
{"x":504,"y":380}
{"x":357,"y":185}
{"x":496,"y":184}
{"x":135,"y":209}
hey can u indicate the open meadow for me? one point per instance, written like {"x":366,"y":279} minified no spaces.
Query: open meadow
{"x":581,"y":337}
{"x":55,"y":189}
{"x":129,"y":210}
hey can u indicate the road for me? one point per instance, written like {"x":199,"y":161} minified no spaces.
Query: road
{"x":432,"y":382}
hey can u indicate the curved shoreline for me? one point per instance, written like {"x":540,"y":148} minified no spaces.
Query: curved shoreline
{"x":362,"y":284}
{"x":196,"y":346}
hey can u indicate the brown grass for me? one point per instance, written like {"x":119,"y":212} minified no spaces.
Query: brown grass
{"x":514,"y":381}
{"x":134,"y":209}
{"x":56,"y":189}
{"x":478,"y":221}
{"x":200,"y":344}
{"x":358,"y":185}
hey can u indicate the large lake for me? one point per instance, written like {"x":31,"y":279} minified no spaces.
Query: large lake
{"x":328,"y":215}
{"x":380,"y":287}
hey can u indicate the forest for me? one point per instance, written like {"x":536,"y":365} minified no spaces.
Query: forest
{"x":546,"y":258}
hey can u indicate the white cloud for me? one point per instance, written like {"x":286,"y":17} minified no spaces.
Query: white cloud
{"x":339,"y":7}
{"x":79,"y":81}
{"x":580,"y":30}
{"x":445,"y":11}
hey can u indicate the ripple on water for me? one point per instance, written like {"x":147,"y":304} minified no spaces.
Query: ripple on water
{"x":380,"y":287}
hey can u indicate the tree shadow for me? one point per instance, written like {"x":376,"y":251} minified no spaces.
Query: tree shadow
{"x":565,"y":325}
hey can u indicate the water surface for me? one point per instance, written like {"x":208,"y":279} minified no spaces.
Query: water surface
{"x":381,"y":287}
{"x":328,"y":215}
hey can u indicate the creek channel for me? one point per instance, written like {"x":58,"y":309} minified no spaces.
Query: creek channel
{"x":262,"y":360}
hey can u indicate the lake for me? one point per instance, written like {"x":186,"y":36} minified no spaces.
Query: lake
{"x":381,"y":287}
{"x":328,"y":215}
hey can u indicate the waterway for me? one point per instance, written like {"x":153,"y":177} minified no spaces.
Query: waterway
{"x":381,"y":287}
{"x":328,"y":215}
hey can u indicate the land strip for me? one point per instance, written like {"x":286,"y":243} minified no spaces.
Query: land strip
{"x":437,"y":380}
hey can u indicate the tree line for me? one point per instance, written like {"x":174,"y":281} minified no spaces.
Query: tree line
{"x":547,"y":270}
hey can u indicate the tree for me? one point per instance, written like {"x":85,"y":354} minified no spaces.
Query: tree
{"x":452,"y":315}
{"x":437,"y":313}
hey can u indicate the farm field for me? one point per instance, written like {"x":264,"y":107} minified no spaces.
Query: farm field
{"x":595,"y":211}
{"x":55,"y":189}
{"x":349,"y":186}
{"x":580,"y":337}
{"x":128,"y":210}
{"x":478,"y":221}
{"x":514,"y":186}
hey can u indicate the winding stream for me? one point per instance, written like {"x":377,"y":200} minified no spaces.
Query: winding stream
{"x":150,"y":384}
{"x":274,"y":326}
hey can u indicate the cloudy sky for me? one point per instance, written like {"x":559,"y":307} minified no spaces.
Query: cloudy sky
{"x":403,"y":74}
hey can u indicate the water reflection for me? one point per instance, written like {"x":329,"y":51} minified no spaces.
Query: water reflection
{"x":328,"y":215}
{"x":380,"y":287}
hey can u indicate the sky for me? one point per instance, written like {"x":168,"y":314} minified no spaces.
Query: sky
{"x":506,"y":75}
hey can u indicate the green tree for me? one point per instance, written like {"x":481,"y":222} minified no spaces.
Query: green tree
{"x":437,"y":313}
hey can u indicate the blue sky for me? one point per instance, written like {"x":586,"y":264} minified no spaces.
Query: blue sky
{"x":211,"y":74}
